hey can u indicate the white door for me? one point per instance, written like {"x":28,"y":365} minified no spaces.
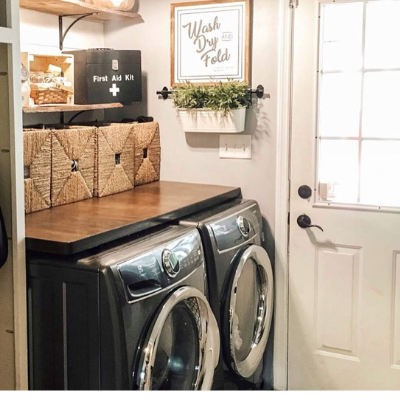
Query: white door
{"x":344,"y":284}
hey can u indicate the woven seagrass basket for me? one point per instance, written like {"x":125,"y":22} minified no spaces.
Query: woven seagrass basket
{"x":147,"y":153}
{"x":73,"y":164}
{"x":114,"y":172}
{"x":37,"y":169}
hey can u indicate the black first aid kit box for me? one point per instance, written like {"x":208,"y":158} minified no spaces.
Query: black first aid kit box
{"x":107,"y":76}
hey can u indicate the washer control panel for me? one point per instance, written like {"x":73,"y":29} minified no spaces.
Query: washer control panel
{"x":171,"y":260}
{"x":170,"y":263}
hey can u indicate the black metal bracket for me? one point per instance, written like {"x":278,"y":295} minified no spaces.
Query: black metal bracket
{"x":164,"y":93}
{"x":76,"y":115}
{"x":63,"y":34}
{"x":259,"y":92}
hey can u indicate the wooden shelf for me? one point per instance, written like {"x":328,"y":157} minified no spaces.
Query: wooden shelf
{"x":66,"y":7}
{"x":70,"y":108}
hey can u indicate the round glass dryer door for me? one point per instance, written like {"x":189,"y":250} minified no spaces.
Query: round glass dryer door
{"x":248,"y":311}
{"x":182,"y":348}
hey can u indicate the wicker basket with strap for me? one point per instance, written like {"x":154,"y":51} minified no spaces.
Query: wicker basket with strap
{"x":49,"y":93}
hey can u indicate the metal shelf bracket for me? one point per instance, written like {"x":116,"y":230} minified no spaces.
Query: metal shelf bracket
{"x":259,"y":92}
{"x":63,"y":34}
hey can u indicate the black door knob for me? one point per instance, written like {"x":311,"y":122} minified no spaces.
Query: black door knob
{"x":304,"y":221}
{"x":305,"y":192}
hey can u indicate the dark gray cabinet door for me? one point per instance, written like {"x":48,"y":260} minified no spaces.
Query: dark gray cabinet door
{"x":63,"y":329}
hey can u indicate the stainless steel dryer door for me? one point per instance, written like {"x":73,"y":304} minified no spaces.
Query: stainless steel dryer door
{"x":181,"y":350}
{"x":247,"y":311}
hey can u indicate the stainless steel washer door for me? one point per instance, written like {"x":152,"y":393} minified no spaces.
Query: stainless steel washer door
{"x":182,"y":348}
{"x":248,"y":311}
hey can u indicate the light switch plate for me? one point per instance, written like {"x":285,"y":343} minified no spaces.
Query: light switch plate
{"x":235,"y":146}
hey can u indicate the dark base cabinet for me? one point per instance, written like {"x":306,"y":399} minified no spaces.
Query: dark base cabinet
{"x":67,"y":334}
{"x":63,"y":304}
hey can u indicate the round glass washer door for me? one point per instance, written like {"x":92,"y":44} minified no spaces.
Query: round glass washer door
{"x":248,"y":309}
{"x":181,"y":350}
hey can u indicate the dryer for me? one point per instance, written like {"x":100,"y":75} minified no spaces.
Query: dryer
{"x":132,"y":316}
{"x":241,"y":288}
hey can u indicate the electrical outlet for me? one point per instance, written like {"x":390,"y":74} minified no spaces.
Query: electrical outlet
{"x":235,"y":146}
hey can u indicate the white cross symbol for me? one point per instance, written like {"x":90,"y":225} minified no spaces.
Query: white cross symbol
{"x":114,"y":90}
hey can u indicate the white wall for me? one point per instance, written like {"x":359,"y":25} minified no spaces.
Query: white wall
{"x":194,"y":157}
{"x":39,"y":35}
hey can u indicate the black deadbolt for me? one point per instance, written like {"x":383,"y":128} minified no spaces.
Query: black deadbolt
{"x":305,"y":192}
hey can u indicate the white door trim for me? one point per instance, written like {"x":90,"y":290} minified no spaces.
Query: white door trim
{"x":11,"y":36}
{"x":6,"y":35}
{"x":282,"y":195}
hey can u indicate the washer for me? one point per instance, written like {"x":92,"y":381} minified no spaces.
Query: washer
{"x":241,"y":288}
{"x":133,"y":316}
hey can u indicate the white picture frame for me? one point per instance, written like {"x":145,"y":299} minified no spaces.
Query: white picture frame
{"x":210,"y":42}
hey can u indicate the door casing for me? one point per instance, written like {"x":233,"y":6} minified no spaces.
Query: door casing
{"x":287,"y":9}
{"x":11,"y":37}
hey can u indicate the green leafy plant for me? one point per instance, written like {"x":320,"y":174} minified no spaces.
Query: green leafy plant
{"x":221,"y":96}
{"x":190,"y":96}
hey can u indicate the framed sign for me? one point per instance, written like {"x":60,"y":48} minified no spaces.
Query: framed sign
{"x":210,"y":41}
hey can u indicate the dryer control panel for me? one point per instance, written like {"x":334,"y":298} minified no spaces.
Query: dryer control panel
{"x":161,"y":267}
{"x":238,"y":227}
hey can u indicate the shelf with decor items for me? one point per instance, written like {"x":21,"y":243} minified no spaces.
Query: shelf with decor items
{"x":74,"y":7}
{"x":50,"y":79}
{"x":52,"y":85}
{"x":70,"y":108}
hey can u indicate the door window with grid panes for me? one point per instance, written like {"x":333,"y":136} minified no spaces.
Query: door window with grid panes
{"x":359,"y":103}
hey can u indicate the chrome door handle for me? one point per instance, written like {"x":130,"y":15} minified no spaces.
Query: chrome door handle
{"x":304,"y":221}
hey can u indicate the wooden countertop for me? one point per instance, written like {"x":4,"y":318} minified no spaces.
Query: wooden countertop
{"x":84,"y":225}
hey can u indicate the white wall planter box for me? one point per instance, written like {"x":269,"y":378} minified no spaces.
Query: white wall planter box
{"x":207,"y":120}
